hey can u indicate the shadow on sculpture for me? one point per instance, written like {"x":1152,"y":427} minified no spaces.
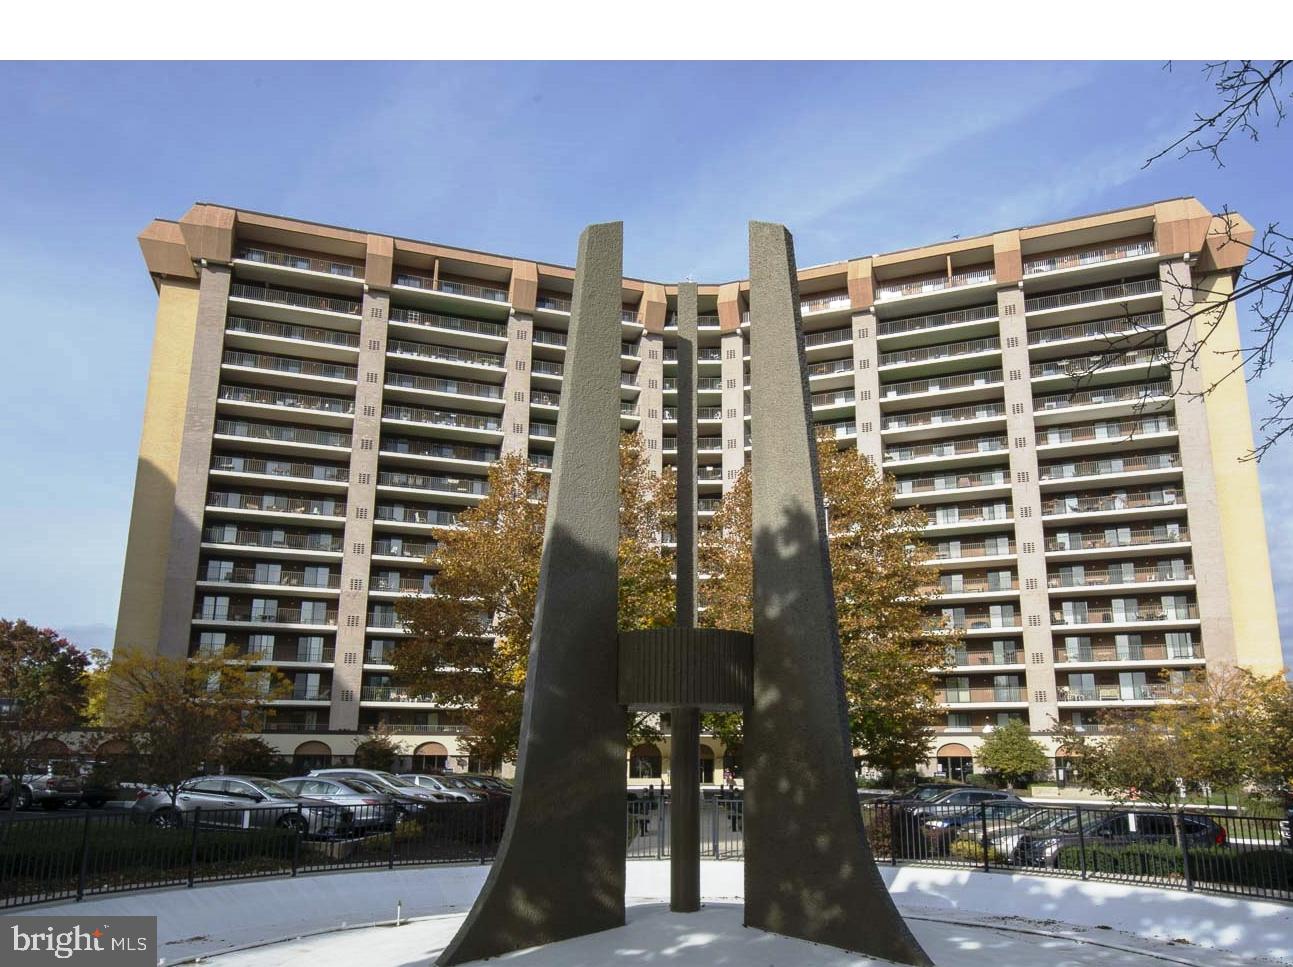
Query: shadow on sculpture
{"x":560,"y":871}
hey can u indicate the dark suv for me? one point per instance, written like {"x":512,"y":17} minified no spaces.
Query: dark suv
{"x":1115,"y":828}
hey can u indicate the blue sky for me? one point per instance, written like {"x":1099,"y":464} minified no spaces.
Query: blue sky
{"x":516,"y":158}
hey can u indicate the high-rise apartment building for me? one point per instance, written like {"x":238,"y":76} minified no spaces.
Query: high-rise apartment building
{"x":322,"y":400}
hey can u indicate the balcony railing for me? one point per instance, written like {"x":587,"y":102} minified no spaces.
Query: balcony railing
{"x":421,"y":481}
{"x":389,"y":693}
{"x":975,"y":585}
{"x":955,"y":550}
{"x":384,"y":619}
{"x":1120,"y":693}
{"x":966,"y":515}
{"x":261,"y":615}
{"x":416,"y":515}
{"x":436,"y":320}
{"x":289,"y":364}
{"x":956,"y":414}
{"x":1115,"y":537}
{"x":316,"y":654}
{"x":708,"y":505}
{"x":437,"y":384}
{"x":547,"y":431}
{"x":280,"y":468}
{"x":1120,"y":325}
{"x":462,"y":421}
{"x":282,"y":434}
{"x":628,"y":409}
{"x":545,"y":367}
{"x":709,"y":472}
{"x":278,"y":724}
{"x":319,"y":694}
{"x":953,"y":481}
{"x":1090,"y":256}
{"x":1080,"y":366}
{"x":448,"y":354}
{"x":408,"y":585}
{"x":935,"y":283}
{"x":951,"y":448}
{"x":1109,"y":465}
{"x":298,"y":401}
{"x":1105,"y":616}
{"x":447,"y":451}
{"x":452,"y":286}
{"x":837,"y":397}
{"x":547,"y":337}
{"x":1103,"y":293}
{"x":1011,"y":656}
{"x":397,"y":547}
{"x":282,"y":577}
{"x":1109,"y":394}
{"x":829,"y":367}
{"x":838,"y":428}
{"x":278,"y":503}
{"x":218,"y":534}
{"x":630,"y":315}
{"x":283,"y":330}
{"x":956,"y":317}
{"x":1100,"y":577}
{"x":959,"y":696}
{"x":545,"y":398}
{"x":308,"y":263}
{"x":553,"y":303}
{"x":981,"y":621}
{"x":289,"y":297}
{"x":987,"y":377}
{"x":829,"y":300}
{"x":923,"y":354}
{"x":1147,"y":651}
{"x":1105,"y":430}
{"x":1098,"y":504}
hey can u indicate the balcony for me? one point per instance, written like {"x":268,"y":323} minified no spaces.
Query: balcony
{"x":401,"y":446}
{"x":444,"y":354}
{"x":272,"y":538}
{"x":928,"y":285}
{"x":981,"y":696}
{"x":418,"y":481}
{"x":708,"y":505}
{"x":284,"y":330}
{"x":1116,"y":537}
{"x":958,"y":550}
{"x":385,"y":619}
{"x":832,"y":398}
{"x":948,"y":350}
{"x":978,"y":621}
{"x":297,"y":401}
{"x":249,"y":614}
{"x":1111,"y":430}
{"x":965,"y":658}
{"x":438,"y":384}
{"x":290,"y":365}
{"x":304,"y":654}
{"x":1138,"y":500}
{"x":830,"y":367}
{"x":277,"y":503}
{"x":436,"y":320}
{"x":294,"y":299}
{"x":471,"y":290}
{"x":1106,"y":329}
{"x":1080,"y":367}
{"x":309,"y":694}
{"x":943,"y":417}
{"x":400,"y":514}
{"x":1130,"y":616}
{"x":1104,"y":293}
{"x":938,"y":320}
{"x":945,"y":482}
{"x":1137,"y":395}
{"x":1136,"y":463}
{"x":953,"y":515}
{"x":302,"y":263}
{"x":300,"y":726}
{"x":1111,"y":652}
{"x":951,"y":448}
{"x":282,"y":434}
{"x":1148,"y":692}
{"x":276,"y":577}
{"x":280,"y":468}
{"x":545,"y":431}
{"x":443,"y":418}
{"x":390,"y":693}
{"x":940,"y":384}
{"x":398,"y":547}
{"x":545,"y":367}
{"x":826,"y":302}
{"x":548,"y":337}
{"x":1094,"y":577}
{"x":838,"y":429}
{"x":709,"y":473}
{"x":403,"y":585}
{"x":552,"y":304}
{"x":629,"y":315}
{"x":1090,"y":256}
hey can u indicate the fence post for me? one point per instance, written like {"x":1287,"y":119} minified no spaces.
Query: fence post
{"x":893,"y":835}
{"x":659,"y":831}
{"x":713,"y":824}
{"x":1179,"y":831}
{"x":193,"y":845}
{"x":484,"y":832}
{"x":983,"y":824}
{"x":85,"y":856}
{"x":296,"y":850}
{"x":1081,"y":840}
{"x":390,"y":856}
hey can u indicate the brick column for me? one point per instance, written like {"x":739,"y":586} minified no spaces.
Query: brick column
{"x":195,"y":460}
{"x":1203,"y":512}
{"x":651,"y":398}
{"x":361,"y":501}
{"x":866,"y":385}
{"x":1030,"y":546}
{"x":516,"y":384}
{"x":732,"y":345}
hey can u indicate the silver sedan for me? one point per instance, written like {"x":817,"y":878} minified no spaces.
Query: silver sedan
{"x":240,"y":802}
{"x":370,"y":809}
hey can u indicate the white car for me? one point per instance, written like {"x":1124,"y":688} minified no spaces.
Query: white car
{"x":456,"y":791}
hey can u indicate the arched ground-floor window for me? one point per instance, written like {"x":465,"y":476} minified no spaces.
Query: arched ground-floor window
{"x":954,"y":762}
{"x":645,"y":762}
{"x":430,"y":757}
{"x":311,"y":755}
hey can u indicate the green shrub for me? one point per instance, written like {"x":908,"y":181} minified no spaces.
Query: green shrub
{"x":968,"y":849}
{"x":1262,"y":868}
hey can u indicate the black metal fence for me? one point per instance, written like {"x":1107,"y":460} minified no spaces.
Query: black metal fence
{"x":45,"y":858}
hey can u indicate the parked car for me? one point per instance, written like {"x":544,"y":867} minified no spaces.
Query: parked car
{"x":1115,"y":828}
{"x":240,"y":802}
{"x":388,"y":782}
{"x":442,"y":784}
{"x":942,"y":828}
{"x":488,"y":782}
{"x":922,"y":792}
{"x":369,"y":808}
{"x":403,"y":804}
{"x":46,"y":790}
{"x":955,"y":799}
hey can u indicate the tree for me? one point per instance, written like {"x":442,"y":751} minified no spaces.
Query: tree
{"x":1271,"y":720}
{"x":1011,"y":752}
{"x":178,"y":713}
{"x":378,"y":750}
{"x":1133,"y":759}
{"x":248,"y":755}
{"x":882,"y":589}
{"x":1244,"y":90}
{"x":487,"y":582}
{"x":42,"y":692}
